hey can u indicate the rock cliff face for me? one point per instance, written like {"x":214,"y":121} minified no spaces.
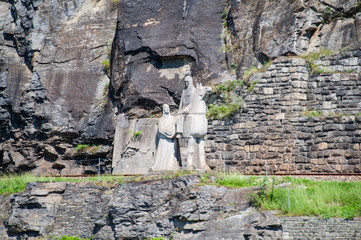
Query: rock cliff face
{"x":156,"y":47}
{"x":57,"y":92}
{"x":264,"y":30}
{"x":172,"y":208}
{"x":53,"y":91}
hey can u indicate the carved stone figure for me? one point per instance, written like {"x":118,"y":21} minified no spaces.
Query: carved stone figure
{"x":186,"y":99}
{"x":198,"y":125}
{"x":166,"y":155}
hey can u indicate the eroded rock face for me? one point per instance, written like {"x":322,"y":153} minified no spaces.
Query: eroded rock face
{"x":176,"y":208}
{"x":263,"y":30}
{"x":53,"y":90}
{"x":156,"y":47}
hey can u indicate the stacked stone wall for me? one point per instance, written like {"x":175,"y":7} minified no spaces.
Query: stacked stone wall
{"x":295,"y":120}
{"x":315,"y":228}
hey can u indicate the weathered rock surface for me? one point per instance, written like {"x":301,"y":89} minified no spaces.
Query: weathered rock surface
{"x":173,"y":208}
{"x":264,"y":30}
{"x":155,"y":48}
{"x":53,"y":91}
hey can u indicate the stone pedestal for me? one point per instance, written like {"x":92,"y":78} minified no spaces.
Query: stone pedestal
{"x":134,"y":145}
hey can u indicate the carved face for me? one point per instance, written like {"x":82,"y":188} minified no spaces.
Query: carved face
{"x":166,"y":110}
{"x":188,"y":81}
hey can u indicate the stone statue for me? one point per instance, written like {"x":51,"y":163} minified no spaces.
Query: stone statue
{"x":198,"y":125}
{"x":186,"y":99}
{"x":167,"y":152}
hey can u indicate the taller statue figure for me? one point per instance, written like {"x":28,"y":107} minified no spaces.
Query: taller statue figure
{"x":186,"y":99}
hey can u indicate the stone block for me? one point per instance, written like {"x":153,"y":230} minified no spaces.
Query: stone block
{"x":251,"y":124}
{"x":298,"y":84}
{"x":268,"y":91}
{"x":254,"y":148}
{"x":233,"y":137}
{"x":322,"y":146}
{"x":319,"y":161}
{"x":246,"y":148}
{"x":298,"y":62}
{"x":355,"y":147}
{"x":239,"y":126}
{"x":280,"y":116}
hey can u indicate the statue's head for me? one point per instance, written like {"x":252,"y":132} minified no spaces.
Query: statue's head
{"x":166,"y":110}
{"x":188,"y":81}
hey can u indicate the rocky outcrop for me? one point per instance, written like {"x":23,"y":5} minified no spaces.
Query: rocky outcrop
{"x":137,"y":210}
{"x":54,"y":93}
{"x":53,"y":89}
{"x":178,"y":208}
{"x":155,"y":48}
{"x":264,"y":30}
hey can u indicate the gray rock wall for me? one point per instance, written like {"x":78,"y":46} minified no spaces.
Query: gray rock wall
{"x":156,"y":47}
{"x":296,"y":121}
{"x":315,"y":228}
{"x":55,"y":96}
{"x":53,"y":90}
{"x":172,"y":208}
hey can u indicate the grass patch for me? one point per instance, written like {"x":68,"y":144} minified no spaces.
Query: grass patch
{"x":70,"y":238}
{"x":307,"y":197}
{"x":16,"y":183}
{"x":313,"y":198}
{"x":237,"y":180}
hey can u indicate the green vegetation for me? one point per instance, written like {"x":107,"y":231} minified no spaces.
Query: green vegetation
{"x":80,"y":148}
{"x":312,"y":198}
{"x":319,"y":113}
{"x":295,"y":197}
{"x":328,"y":10}
{"x":157,"y":238}
{"x":312,"y":57}
{"x":136,"y":135}
{"x":237,"y":180}
{"x":312,"y":113}
{"x":247,"y":73}
{"x":70,"y":238}
{"x":228,"y":101}
{"x":306,"y":197}
{"x":106,"y":66}
{"x":16,"y":183}
{"x":227,"y":95}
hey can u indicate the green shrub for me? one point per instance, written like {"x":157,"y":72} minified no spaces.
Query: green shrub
{"x":81,"y":147}
{"x":106,"y":66}
{"x":136,"y":135}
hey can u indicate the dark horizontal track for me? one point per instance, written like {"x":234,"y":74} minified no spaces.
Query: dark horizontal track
{"x":254,"y":174}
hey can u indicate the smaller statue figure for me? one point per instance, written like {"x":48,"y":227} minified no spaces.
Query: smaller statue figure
{"x":186,"y":99}
{"x":166,"y":155}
